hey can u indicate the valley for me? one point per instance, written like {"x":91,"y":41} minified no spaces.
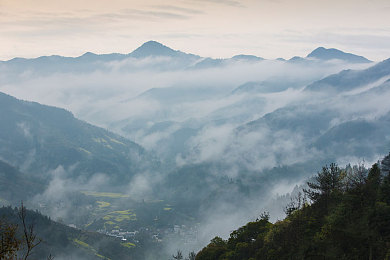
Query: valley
{"x":159,"y":150}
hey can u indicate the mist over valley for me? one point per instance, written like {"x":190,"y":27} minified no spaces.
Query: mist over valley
{"x":138,"y":155}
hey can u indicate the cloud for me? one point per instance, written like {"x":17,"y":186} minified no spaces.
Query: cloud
{"x":57,"y":198}
{"x":163,"y":103}
{"x":178,"y":9}
{"x":224,"y":2}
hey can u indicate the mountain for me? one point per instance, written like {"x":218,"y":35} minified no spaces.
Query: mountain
{"x":270,"y":86}
{"x":15,"y":185}
{"x":38,"y":138}
{"x":156,"y":49}
{"x":205,"y":63}
{"x":150,"y":48}
{"x":332,"y":118}
{"x":322,"y":128}
{"x":348,"y":80}
{"x":297,"y":59}
{"x":249,"y":58}
{"x":89,"y":62}
{"x":322,"y":53}
{"x":178,"y":60}
{"x":357,"y":137}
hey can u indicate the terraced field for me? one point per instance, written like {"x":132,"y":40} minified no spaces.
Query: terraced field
{"x":110,"y":210}
{"x":105,"y":194}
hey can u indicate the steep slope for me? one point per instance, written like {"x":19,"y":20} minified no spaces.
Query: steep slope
{"x":357,"y":137}
{"x":328,"y":123}
{"x":348,"y":80}
{"x":38,"y":138}
{"x":63,"y":242}
{"x":346,"y":217}
{"x":16,"y":186}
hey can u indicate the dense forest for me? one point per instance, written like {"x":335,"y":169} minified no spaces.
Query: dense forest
{"x":341,"y":214}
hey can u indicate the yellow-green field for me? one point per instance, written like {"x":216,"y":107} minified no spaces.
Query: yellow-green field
{"x":89,"y":248}
{"x":102,"y":141}
{"x":114,"y":140}
{"x":103,"y":204}
{"x":105,"y":194}
{"x":129,"y":245}
{"x":85,"y":151}
{"x":153,"y":201}
{"x":119,"y":216}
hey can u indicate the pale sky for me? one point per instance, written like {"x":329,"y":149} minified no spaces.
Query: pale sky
{"x":216,"y":28}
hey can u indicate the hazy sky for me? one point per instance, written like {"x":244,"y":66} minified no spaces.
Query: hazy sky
{"x":217,"y":28}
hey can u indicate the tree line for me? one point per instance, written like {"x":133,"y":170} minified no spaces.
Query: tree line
{"x":342,"y":214}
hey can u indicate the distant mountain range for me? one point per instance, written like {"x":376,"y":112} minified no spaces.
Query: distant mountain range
{"x":333,"y":121}
{"x":156,"y":49}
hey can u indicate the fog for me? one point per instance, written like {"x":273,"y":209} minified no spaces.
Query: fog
{"x":241,"y":116}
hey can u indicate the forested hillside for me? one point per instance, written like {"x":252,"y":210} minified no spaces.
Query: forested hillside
{"x":57,"y":240}
{"x":342,"y":214}
{"x":39,"y":138}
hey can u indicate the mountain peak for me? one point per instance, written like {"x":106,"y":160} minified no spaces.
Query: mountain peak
{"x":153,"y":48}
{"x":243,"y":57}
{"x":322,"y":53}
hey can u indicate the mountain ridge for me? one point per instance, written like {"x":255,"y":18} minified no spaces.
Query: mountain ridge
{"x":322,"y":53}
{"x":40,"y":138}
{"x":351,"y":79}
{"x":154,"y":48}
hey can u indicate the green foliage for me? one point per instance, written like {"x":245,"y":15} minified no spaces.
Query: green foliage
{"x":348,"y":218}
{"x":56,"y":138}
{"x":9,"y":243}
{"x":58,"y":240}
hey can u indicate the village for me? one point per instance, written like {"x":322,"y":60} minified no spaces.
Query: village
{"x":183,"y":233}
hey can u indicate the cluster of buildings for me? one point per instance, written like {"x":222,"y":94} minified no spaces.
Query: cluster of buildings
{"x":181,"y":232}
{"x":120,"y":234}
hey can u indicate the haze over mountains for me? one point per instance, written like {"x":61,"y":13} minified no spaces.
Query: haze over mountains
{"x":156,"y":49}
{"x":181,"y":138}
{"x":38,"y":138}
